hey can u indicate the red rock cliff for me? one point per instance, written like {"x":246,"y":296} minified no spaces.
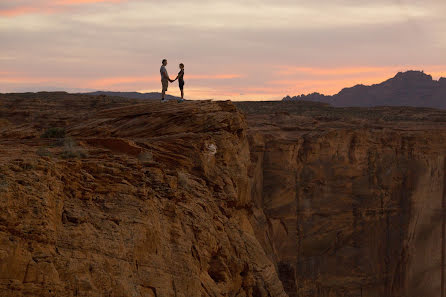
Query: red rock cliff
{"x":138,"y":199}
{"x":350,"y":201}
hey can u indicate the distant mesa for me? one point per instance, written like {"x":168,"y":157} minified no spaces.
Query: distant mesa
{"x":411,"y":88}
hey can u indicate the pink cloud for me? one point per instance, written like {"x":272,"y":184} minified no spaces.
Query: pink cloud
{"x":214,"y":77}
{"x":285,"y":70}
{"x":78,"y":2}
{"x":49,"y":7}
{"x":21,"y":10}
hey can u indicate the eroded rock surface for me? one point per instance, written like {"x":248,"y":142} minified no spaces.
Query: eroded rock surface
{"x":146,"y":199}
{"x":137,"y":198}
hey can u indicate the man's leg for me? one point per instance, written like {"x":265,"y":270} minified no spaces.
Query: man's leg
{"x":163,"y":93}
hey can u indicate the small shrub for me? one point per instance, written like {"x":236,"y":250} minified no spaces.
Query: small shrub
{"x":182,"y":179}
{"x":4,"y":122}
{"x":3,"y":183}
{"x":54,"y":133}
{"x":43,"y":152}
{"x":68,"y":155}
{"x":79,"y":153}
{"x":72,"y":150}
{"x":69,"y":144}
{"x":27,"y":166}
{"x":145,"y":156}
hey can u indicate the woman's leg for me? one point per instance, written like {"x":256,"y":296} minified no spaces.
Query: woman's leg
{"x":182,"y":94}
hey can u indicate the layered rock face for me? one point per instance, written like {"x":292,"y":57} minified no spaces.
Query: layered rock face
{"x":136,"y":198}
{"x":139,"y":199}
{"x":350,"y":202}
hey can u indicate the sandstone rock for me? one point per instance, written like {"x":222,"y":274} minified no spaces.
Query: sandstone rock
{"x":108,"y":224}
{"x":198,"y":199}
{"x":346,"y":209}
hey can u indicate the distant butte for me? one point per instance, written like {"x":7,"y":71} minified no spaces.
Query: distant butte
{"x":411,"y":88}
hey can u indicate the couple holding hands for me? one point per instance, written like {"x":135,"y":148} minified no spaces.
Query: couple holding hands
{"x":165,"y":79}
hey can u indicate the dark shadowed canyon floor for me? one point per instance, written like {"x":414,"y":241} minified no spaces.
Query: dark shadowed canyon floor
{"x":104,"y":196}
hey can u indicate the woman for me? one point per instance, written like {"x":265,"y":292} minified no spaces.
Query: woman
{"x":180,"y":78}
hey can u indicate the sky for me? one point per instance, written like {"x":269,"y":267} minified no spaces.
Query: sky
{"x":232,"y":49}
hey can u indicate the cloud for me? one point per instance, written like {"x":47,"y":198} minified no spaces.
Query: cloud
{"x":109,"y":83}
{"x":263,"y":47}
{"x":79,"y":2}
{"x":26,"y":7}
{"x":287,"y":70}
{"x":115,"y":81}
{"x":358,"y":71}
{"x":242,"y":15}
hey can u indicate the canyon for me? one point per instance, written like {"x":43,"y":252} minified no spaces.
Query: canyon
{"x":108,"y":196}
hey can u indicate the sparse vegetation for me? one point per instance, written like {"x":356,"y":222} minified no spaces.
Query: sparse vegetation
{"x":43,"y":152}
{"x":55,"y":132}
{"x":27,"y":166}
{"x":72,"y":150}
{"x":4,"y":122}
{"x":3,"y":183}
{"x":145,"y":156}
{"x":182,"y":179}
{"x":324,"y":112}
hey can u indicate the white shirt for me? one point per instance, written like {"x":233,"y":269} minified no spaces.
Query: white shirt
{"x":163,"y":70}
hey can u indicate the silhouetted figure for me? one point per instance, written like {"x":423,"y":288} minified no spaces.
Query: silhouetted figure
{"x":180,"y":78}
{"x":165,"y":79}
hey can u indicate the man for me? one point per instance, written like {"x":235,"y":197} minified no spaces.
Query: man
{"x":165,"y":79}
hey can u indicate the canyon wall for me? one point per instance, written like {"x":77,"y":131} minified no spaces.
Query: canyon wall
{"x":350,"y":205}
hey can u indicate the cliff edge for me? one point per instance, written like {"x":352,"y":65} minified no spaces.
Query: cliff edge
{"x":107,"y":196}
{"x":126,"y":198}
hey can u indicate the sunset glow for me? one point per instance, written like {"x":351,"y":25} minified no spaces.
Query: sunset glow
{"x":236,"y":50}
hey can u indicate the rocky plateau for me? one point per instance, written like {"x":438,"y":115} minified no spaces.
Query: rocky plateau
{"x":108,"y":196}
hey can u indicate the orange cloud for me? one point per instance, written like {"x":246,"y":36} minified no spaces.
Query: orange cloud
{"x":324,"y":86}
{"x":112,"y":81}
{"x":216,"y":76}
{"x":248,"y":94}
{"x":331,"y":80}
{"x":24,"y":10}
{"x":438,"y":74}
{"x":327,"y":71}
{"x":330,"y":71}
